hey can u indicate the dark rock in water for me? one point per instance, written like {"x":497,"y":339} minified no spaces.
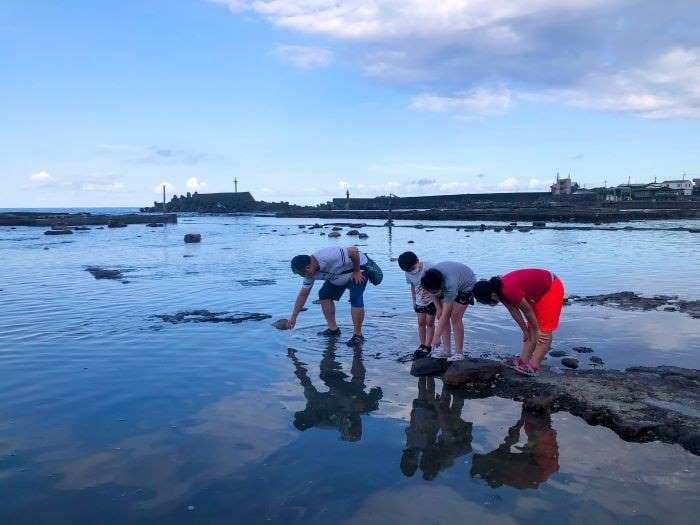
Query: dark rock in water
{"x":524,"y":229}
{"x":393,"y":259}
{"x":81,"y":228}
{"x":155,"y":225}
{"x":497,"y":229}
{"x":116,"y":224}
{"x":100,"y":228}
{"x":334,"y":234}
{"x":193,"y":237}
{"x":512,"y":224}
{"x":322,"y":233}
{"x":430,"y":230}
{"x":632,"y":301}
{"x":539,"y":224}
{"x":352,"y":232}
{"x":508,"y":229}
{"x":302,"y":226}
{"x":281,"y":324}
{"x":583,"y":350}
{"x":188,"y":255}
{"x":256,"y":282}
{"x":419,"y":226}
{"x":670,"y":309}
{"x":336,"y":228}
{"x":694,"y":230}
{"x":570,"y":362}
{"x":557,"y":353}
{"x":596,"y":360}
{"x":471,"y":370}
{"x":205,"y":316}
{"x":429,"y":367}
{"x":411,"y":242}
{"x":58,"y":232}
{"x":104,"y":273}
{"x":363,"y":236}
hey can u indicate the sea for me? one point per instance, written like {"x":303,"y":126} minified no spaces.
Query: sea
{"x":164,"y":395}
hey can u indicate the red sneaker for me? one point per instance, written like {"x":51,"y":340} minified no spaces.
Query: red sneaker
{"x":526,"y":369}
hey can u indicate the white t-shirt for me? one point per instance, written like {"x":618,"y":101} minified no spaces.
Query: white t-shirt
{"x":423,"y":298}
{"x":333,"y":262}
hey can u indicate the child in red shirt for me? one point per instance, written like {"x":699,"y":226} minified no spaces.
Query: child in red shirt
{"x":534,"y":295}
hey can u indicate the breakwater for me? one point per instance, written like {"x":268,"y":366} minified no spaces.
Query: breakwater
{"x":80,"y":219}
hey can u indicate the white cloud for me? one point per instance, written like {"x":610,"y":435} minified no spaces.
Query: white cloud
{"x":304,"y":57}
{"x":41,"y":178}
{"x":592,"y":54}
{"x":539,"y":184}
{"x":195,"y":184}
{"x":509,"y":184}
{"x":102,"y":186}
{"x":480,"y":101}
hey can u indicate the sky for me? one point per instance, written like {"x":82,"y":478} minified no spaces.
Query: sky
{"x":102,"y":103}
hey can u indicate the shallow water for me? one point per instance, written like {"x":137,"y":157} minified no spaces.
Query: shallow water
{"x":108,"y":414}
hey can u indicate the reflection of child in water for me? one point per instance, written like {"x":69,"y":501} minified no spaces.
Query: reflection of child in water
{"x":436,"y":435}
{"x":344,"y":402}
{"x":534,"y":462}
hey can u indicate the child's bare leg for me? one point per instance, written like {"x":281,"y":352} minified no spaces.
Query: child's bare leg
{"x":421,"y":328}
{"x":447,"y":337}
{"x":458,"y":326}
{"x":529,"y":346}
{"x":544,"y":343}
{"x":429,"y":328}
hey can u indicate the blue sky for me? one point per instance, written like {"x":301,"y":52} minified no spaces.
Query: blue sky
{"x":102,"y":102}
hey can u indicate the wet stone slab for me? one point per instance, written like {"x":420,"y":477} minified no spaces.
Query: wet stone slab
{"x":205,"y":316}
{"x":632,"y":301}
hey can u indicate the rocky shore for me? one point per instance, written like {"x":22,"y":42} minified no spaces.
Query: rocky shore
{"x":544,"y":213}
{"x":639,"y":404}
{"x":45,"y":219}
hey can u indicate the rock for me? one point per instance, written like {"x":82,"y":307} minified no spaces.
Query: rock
{"x":334,"y":234}
{"x":302,"y":226}
{"x":411,"y":242}
{"x":430,"y":230}
{"x":193,"y":237}
{"x":497,"y":229}
{"x":104,"y":273}
{"x":336,"y":228}
{"x":539,"y":224}
{"x":205,"y":316}
{"x":428,"y":366}
{"x":508,"y":229}
{"x":352,"y":232}
{"x":281,"y":324}
{"x":583,"y":350}
{"x":81,"y":228}
{"x":694,"y":230}
{"x":322,"y":233}
{"x":155,"y":225}
{"x":513,"y":224}
{"x":256,"y":282}
{"x":419,"y":226}
{"x":632,"y":301}
{"x":557,"y":353}
{"x":570,"y":362}
{"x":58,"y":232}
{"x":596,"y":360}
{"x":116,"y":224}
{"x":363,"y":236}
{"x":524,"y":229}
{"x":100,"y":228}
{"x":470,"y":371}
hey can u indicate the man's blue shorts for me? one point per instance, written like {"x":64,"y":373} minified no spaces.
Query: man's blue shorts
{"x":334,"y":292}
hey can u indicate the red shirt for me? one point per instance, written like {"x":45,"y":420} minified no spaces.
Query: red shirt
{"x":530,"y":284}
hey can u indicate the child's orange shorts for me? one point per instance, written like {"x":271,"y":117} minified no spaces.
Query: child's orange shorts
{"x":548,"y":308}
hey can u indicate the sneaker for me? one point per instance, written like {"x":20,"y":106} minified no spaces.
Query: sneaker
{"x":439,"y":353}
{"x":355,"y":340}
{"x":456,"y":357}
{"x":421,"y":353}
{"x":330,"y":333}
{"x":526,"y":369}
{"x":513,"y":362}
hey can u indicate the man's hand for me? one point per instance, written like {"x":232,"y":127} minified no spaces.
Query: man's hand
{"x":357,"y":277}
{"x":292,"y":322}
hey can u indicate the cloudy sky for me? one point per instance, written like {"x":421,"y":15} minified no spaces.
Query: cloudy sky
{"x":104,"y":102}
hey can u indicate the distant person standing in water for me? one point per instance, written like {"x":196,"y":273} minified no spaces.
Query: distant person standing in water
{"x":450,"y":283}
{"x":534,"y":298}
{"x":421,"y":300}
{"x":341,"y":269}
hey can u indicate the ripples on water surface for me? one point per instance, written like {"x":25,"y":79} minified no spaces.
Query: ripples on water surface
{"x":110,"y":415}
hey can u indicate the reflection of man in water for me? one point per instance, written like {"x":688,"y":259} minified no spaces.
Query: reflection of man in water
{"x":436,"y":435}
{"x":534,"y":462}
{"x":344,"y":402}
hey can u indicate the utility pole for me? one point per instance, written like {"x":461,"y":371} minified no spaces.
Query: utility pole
{"x":347,"y":198}
{"x":163,"y":198}
{"x":235,"y":185}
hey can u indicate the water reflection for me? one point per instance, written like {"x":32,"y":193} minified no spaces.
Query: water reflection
{"x":344,"y":402}
{"x":526,"y":466}
{"x":437,"y":434}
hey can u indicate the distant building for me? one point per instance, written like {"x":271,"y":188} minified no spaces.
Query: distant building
{"x":564,"y":186}
{"x":696,"y":184}
{"x":684,"y":186}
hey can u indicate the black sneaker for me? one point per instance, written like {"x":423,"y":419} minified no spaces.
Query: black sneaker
{"x":422,"y":352}
{"x":355,"y":340}
{"x":330,"y":333}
